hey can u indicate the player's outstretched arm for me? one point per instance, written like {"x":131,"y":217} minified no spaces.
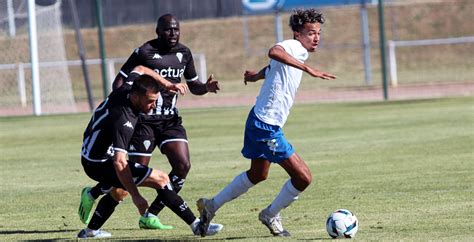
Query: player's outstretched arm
{"x":198,"y":88}
{"x":320,"y":74}
{"x":252,"y":76}
{"x":279,"y":54}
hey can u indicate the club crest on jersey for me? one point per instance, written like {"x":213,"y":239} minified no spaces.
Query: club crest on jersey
{"x":147,"y":144}
{"x":128,"y":124}
{"x":157,"y":56}
{"x":179,"y":56}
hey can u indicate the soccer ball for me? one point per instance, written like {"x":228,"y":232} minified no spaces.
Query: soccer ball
{"x":342,"y":224}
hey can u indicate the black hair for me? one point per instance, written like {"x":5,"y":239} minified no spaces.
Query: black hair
{"x":143,"y":84}
{"x":302,"y":16}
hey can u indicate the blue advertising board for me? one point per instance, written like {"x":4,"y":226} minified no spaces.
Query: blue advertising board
{"x":264,"y":6}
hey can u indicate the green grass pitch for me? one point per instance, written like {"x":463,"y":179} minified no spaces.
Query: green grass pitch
{"x":405,"y":168}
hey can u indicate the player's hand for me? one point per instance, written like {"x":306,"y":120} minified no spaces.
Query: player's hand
{"x":212,"y":85}
{"x":140,"y":203}
{"x":321,"y":74}
{"x":250,"y":76}
{"x":181,"y":88}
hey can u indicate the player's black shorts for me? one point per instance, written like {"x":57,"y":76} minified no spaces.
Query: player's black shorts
{"x":151,"y":133}
{"x":104,"y":172}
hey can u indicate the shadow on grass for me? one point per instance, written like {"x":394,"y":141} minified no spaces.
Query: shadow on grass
{"x":150,"y":240}
{"x":21,"y":232}
{"x":37,"y":231}
{"x":246,"y":237}
{"x":269,"y":237}
{"x":311,"y":239}
{"x":179,"y":238}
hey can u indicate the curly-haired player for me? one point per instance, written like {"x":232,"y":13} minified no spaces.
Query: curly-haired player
{"x":264,"y":141}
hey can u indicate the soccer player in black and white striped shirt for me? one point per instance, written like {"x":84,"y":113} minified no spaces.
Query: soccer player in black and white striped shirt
{"x":162,"y":127}
{"x":104,"y":154}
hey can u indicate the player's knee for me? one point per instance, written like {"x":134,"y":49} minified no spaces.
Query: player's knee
{"x":183,"y":169}
{"x":118,"y":194}
{"x":256,"y":177}
{"x":307,"y":179}
{"x":304,"y":180}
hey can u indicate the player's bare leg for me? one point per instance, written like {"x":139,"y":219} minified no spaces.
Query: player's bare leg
{"x":300,"y":180}
{"x":148,"y":220}
{"x":177,"y":153}
{"x":298,"y":170}
{"x":160,"y":181}
{"x":258,"y":172}
{"x":259,"y":169}
{"x":178,"y":156}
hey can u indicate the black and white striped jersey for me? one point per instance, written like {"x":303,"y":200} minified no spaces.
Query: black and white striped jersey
{"x":171,"y":64}
{"x":111,"y":126}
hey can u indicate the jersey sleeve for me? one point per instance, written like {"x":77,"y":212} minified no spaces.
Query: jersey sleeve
{"x":132,"y":76}
{"x":295,"y":49}
{"x":132,"y":61}
{"x":286,"y":45}
{"x":123,"y":128}
{"x":190,"y":71}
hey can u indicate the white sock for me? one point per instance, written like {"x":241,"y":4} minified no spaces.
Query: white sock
{"x":149,"y":215}
{"x":194,"y":224}
{"x":287,"y":195}
{"x":237,"y":187}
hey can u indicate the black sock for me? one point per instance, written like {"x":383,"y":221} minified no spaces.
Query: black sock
{"x":157,"y":205}
{"x":98,"y":190}
{"x":176,"y":204}
{"x":104,"y":210}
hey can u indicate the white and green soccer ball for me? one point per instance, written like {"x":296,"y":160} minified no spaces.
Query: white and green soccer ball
{"x":342,"y":223}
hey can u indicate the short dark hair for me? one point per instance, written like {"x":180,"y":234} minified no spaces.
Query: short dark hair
{"x":143,"y":84}
{"x":302,"y":16}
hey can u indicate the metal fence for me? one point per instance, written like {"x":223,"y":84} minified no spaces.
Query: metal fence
{"x":422,"y":71}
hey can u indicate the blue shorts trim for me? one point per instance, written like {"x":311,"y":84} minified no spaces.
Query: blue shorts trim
{"x":262,"y":140}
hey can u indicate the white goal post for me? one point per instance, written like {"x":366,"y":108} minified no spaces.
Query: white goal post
{"x":393,"y":44}
{"x":32,"y":32}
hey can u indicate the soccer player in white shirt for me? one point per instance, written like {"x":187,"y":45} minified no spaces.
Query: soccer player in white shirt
{"x":264,"y":141}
